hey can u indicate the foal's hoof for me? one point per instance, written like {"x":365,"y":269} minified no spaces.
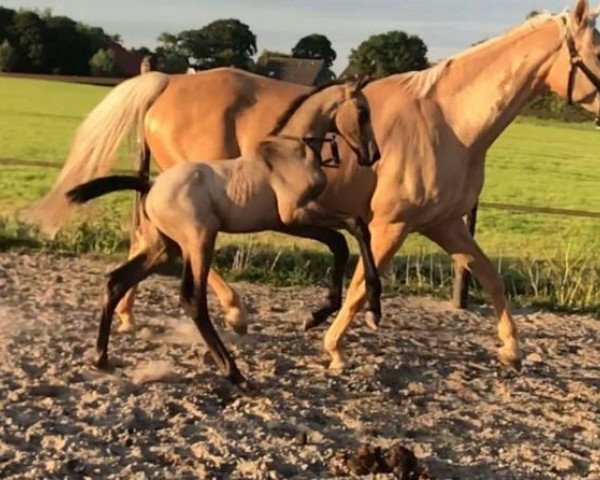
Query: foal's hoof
{"x":316,"y":318}
{"x":249,"y":389}
{"x":510,"y":358}
{"x":100,"y":361}
{"x":372,"y":320}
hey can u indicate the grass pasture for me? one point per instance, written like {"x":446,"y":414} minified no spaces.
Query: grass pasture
{"x":544,"y":258}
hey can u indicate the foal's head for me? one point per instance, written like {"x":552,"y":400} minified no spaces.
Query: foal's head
{"x":352,"y":122}
{"x":341,"y":109}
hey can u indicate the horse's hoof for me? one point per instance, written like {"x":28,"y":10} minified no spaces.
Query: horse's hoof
{"x":126,"y":327}
{"x":337,"y":364}
{"x":237,"y":319}
{"x":372,"y":320}
{"x":510,"y":358}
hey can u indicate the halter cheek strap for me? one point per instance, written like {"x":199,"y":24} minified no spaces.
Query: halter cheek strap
{"x":334,"y":160}
{"x":578,"y":63}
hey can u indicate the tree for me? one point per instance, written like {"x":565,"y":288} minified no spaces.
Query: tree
{"x":31,"y":32}
{"x":388,"y":53}
{"x":68,"y":50}
{"x":103,"y":64}
{"x":221,"y":43}
{"x":8,"y":57}
{"x":229,"y":43}
{"x":315,"y":46}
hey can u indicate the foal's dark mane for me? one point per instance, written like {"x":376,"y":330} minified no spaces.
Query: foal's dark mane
{"x":296,"y":104}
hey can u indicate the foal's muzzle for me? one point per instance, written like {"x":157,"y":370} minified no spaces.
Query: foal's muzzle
{"x":369,"y":155}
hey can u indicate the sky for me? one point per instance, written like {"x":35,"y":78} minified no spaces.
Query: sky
{"x":446,"y":26}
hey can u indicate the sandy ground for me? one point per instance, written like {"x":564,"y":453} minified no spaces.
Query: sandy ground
{"x":427,"y":379}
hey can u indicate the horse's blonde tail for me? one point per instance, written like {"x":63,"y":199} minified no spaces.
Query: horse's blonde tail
{"x":96,"y":142}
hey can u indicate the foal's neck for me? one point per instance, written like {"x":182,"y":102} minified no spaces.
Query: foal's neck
{"x":315,"y":114}
{"x":482,"y":90}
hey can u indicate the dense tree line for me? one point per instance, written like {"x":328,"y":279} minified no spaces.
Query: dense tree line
{"x":37,"y":42}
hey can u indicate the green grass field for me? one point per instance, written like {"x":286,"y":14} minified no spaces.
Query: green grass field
{"x":536,"y":163}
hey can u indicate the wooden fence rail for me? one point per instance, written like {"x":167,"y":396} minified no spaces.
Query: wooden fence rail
{"x":462,"y":277}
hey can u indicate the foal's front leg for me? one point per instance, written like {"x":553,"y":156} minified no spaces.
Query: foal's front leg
{"x":195,"y":276}
{"x":338,"y":246}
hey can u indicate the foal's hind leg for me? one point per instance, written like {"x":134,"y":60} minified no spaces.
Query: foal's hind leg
{"x":119,"y":281}
{"x":236,"y":315}
{"x":454,"y":237}
{"x":124,"y":309}
{"x":338,"y":246}
{"x":200,"y":257}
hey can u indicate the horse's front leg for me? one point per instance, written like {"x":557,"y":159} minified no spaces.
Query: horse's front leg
{"x":314,"y":214}
{"x":454,"y":237}
{"x":385,"y":241}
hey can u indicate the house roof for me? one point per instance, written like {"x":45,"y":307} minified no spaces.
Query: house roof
{"x":296,"y":70}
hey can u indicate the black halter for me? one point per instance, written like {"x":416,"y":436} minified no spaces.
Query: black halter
{"x":578,"y":63}
{"x":334,"y":160}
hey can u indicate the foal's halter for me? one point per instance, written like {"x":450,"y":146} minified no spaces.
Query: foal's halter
{"x":578,"y":63}
{"x":333,"y":161}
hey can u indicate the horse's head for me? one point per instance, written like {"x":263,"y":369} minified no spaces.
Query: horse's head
{"x":353,"y":123}
{"x":575,"y":71}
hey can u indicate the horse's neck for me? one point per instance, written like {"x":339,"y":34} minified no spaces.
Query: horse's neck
{"x":481,"y":91}
{"x":314,"y":116}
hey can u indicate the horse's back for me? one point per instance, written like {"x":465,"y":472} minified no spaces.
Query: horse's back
{"x":220,"y":113}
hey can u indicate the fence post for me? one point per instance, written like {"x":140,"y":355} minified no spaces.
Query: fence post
{"x":462,"y":277}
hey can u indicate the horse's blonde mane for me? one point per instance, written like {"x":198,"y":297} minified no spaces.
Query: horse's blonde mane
{"x":420,"y":83}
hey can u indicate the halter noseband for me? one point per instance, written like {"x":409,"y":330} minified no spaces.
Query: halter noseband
{"x":578,"y":63}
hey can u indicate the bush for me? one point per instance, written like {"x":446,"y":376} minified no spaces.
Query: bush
{"x":103,"y":64}
{"x":8,"y":57}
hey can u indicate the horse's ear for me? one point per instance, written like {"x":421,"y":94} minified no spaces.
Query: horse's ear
{"x":581,"y":13}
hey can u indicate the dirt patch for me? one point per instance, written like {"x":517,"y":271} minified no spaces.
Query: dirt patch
{"x":427,"y":380}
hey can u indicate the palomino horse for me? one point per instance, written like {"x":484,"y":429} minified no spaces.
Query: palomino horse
{"x":433,"y":128}
{"x":191,"y":202}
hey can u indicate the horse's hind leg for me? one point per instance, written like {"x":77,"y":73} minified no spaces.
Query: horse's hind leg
{"x":200,"y":256}
{"x":338,"y":246}
{"x":454,"y":237}
{"x":118,"y":283}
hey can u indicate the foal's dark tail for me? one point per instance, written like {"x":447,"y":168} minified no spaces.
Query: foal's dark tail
{"x":101,"y":186}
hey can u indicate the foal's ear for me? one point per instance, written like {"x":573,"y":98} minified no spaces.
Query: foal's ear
{"x":581,"y":13}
